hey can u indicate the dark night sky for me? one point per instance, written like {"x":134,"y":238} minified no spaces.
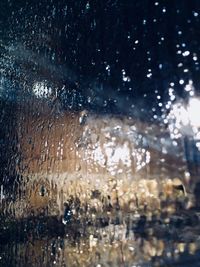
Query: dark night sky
{"x":100,"y":40}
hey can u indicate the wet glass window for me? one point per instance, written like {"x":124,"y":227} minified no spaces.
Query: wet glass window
{"x":99,"y":133}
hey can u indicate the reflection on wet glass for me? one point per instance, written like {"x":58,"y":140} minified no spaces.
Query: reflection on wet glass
{"x":99,"y":134}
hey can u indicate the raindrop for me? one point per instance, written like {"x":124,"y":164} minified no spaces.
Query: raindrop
{"x":87,"y":7}
{"x":195,"y":58}
{"x":149,"y":75}
{"x":144,"y":22}
{"x":186,"y":53}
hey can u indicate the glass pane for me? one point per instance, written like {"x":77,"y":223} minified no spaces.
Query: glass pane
{"x":99,"y":133}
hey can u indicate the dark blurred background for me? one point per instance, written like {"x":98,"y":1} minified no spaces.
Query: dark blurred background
{"x":122,"y":50}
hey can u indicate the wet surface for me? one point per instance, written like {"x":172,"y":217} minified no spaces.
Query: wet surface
{"x":117,"y":240}
{"x":99,"y":133}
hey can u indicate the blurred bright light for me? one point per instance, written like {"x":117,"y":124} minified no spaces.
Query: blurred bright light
{"x":184,"y":119}
{"x":40,"y":89}
{"x":193,"y":110}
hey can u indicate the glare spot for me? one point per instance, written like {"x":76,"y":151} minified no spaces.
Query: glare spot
{"x":181,"y":81}
{"x":189,"y":87}
{"x":87,"y":6}
{"x":191,"y":93}
{"x":108,"y":69}
{"x":125,"y":78}
{"x":186,"y":53}
{"x":115,"y":155}
{"x":99,"y":156}
{"x":142,"y":157}
{"x":172,"y":97}
{"x":194,"y":111}
{"x":40,"y":89}
{"x":195,"y":58}
{"x":198,"y":145}
{"x":184,"y":119}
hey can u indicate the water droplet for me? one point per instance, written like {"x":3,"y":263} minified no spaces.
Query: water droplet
{"x":186,"y":53}
{"x":87,"y":7}
{"x":196,"y":14}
